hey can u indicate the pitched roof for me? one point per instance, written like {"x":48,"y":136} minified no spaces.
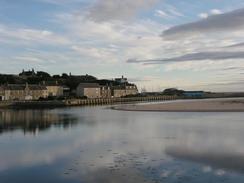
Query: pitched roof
{"x":22,"y":87}
{"x":14,"y":87}
{"x":89,"y":85}
{"x":37,"y":87}
{"x":50,"y":83}
{"x":123,"y":87}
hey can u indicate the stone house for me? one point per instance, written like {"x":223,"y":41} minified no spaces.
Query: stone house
{"x":90,"y":90}
{"x":121,"y":91}
{"x":24,"y":92}
{"x":2,"y":93}
{"x":118,"y":92}
{"x":54,"y":89}
{"x":105,"y":92}
{"x":131,"y":89}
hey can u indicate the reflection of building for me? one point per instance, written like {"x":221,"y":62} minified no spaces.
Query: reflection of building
{"x":23,"y":92}
{"x":32,"y":120}
{"x":90,"y":90}
{"x":121,"y":91}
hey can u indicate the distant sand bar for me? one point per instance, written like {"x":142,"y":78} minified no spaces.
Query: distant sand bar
{"x":201,"y":105}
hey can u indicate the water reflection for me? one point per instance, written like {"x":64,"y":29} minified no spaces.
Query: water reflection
{"x":33,"y":121}
{"x":120,"y":146}
{"x":224,"y":160}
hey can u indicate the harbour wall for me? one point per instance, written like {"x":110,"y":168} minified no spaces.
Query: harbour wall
{"x":81,"y":102}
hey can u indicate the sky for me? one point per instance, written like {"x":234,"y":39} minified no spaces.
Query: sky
{"x":157,"y":44}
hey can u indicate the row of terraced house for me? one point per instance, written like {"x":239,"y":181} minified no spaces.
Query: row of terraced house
{"x":45,"y":90}
{"x":94,"y":90}
{"x":29,"y":92}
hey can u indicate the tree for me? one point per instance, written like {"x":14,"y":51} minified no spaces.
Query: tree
{"x":65,"y":76}
{"x":173,"y":91}
{"x":43,"y":74}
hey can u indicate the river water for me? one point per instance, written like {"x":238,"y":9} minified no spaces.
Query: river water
{"x":100,"y":145}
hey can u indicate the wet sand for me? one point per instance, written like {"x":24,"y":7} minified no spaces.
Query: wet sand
{"x":201,"y":105}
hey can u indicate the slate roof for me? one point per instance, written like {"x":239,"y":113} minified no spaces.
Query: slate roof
{"x":37,"y":87}
{"x":89,"y":85}
{"x":22,"y":87}
{"x":123,"y":87}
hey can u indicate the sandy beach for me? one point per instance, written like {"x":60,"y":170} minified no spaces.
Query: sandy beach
{"x":201,"y":105}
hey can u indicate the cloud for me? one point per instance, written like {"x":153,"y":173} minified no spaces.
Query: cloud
{"x":85,"y":33}
{"x":230,"y":21}
{"x":169,"y":12}
{"x":112,"y":41}
{"x":219,"y":55}
{"x":60,"y":2}
{"x":22,"y":36}
{"x":104,"y":54}
{"x":82,"y":43}
{"x":235,"y":45}
{"x":212,"y":12}
{"x":172,"y":10}
{"x":215,"y":12}
{"x":203,"y":15}
{"x":162,"y":14}
{"x":106,"y":10}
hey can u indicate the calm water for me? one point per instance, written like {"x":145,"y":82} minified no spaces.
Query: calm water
{"x":99,"y":145}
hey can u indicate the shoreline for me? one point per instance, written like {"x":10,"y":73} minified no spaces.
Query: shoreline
{"x":203,"y":105}
{"x":80,"y":102}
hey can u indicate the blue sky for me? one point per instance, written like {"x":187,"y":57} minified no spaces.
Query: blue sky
{"x":187,"y":44}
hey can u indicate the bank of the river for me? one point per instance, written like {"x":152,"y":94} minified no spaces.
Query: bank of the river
{"x":80,"y":102}
{"x":204,"y":105}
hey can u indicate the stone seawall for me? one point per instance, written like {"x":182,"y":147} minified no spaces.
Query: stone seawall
{"x":80,"y":102}
{"x":31,"y":104}
{"x":77,"y":102}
